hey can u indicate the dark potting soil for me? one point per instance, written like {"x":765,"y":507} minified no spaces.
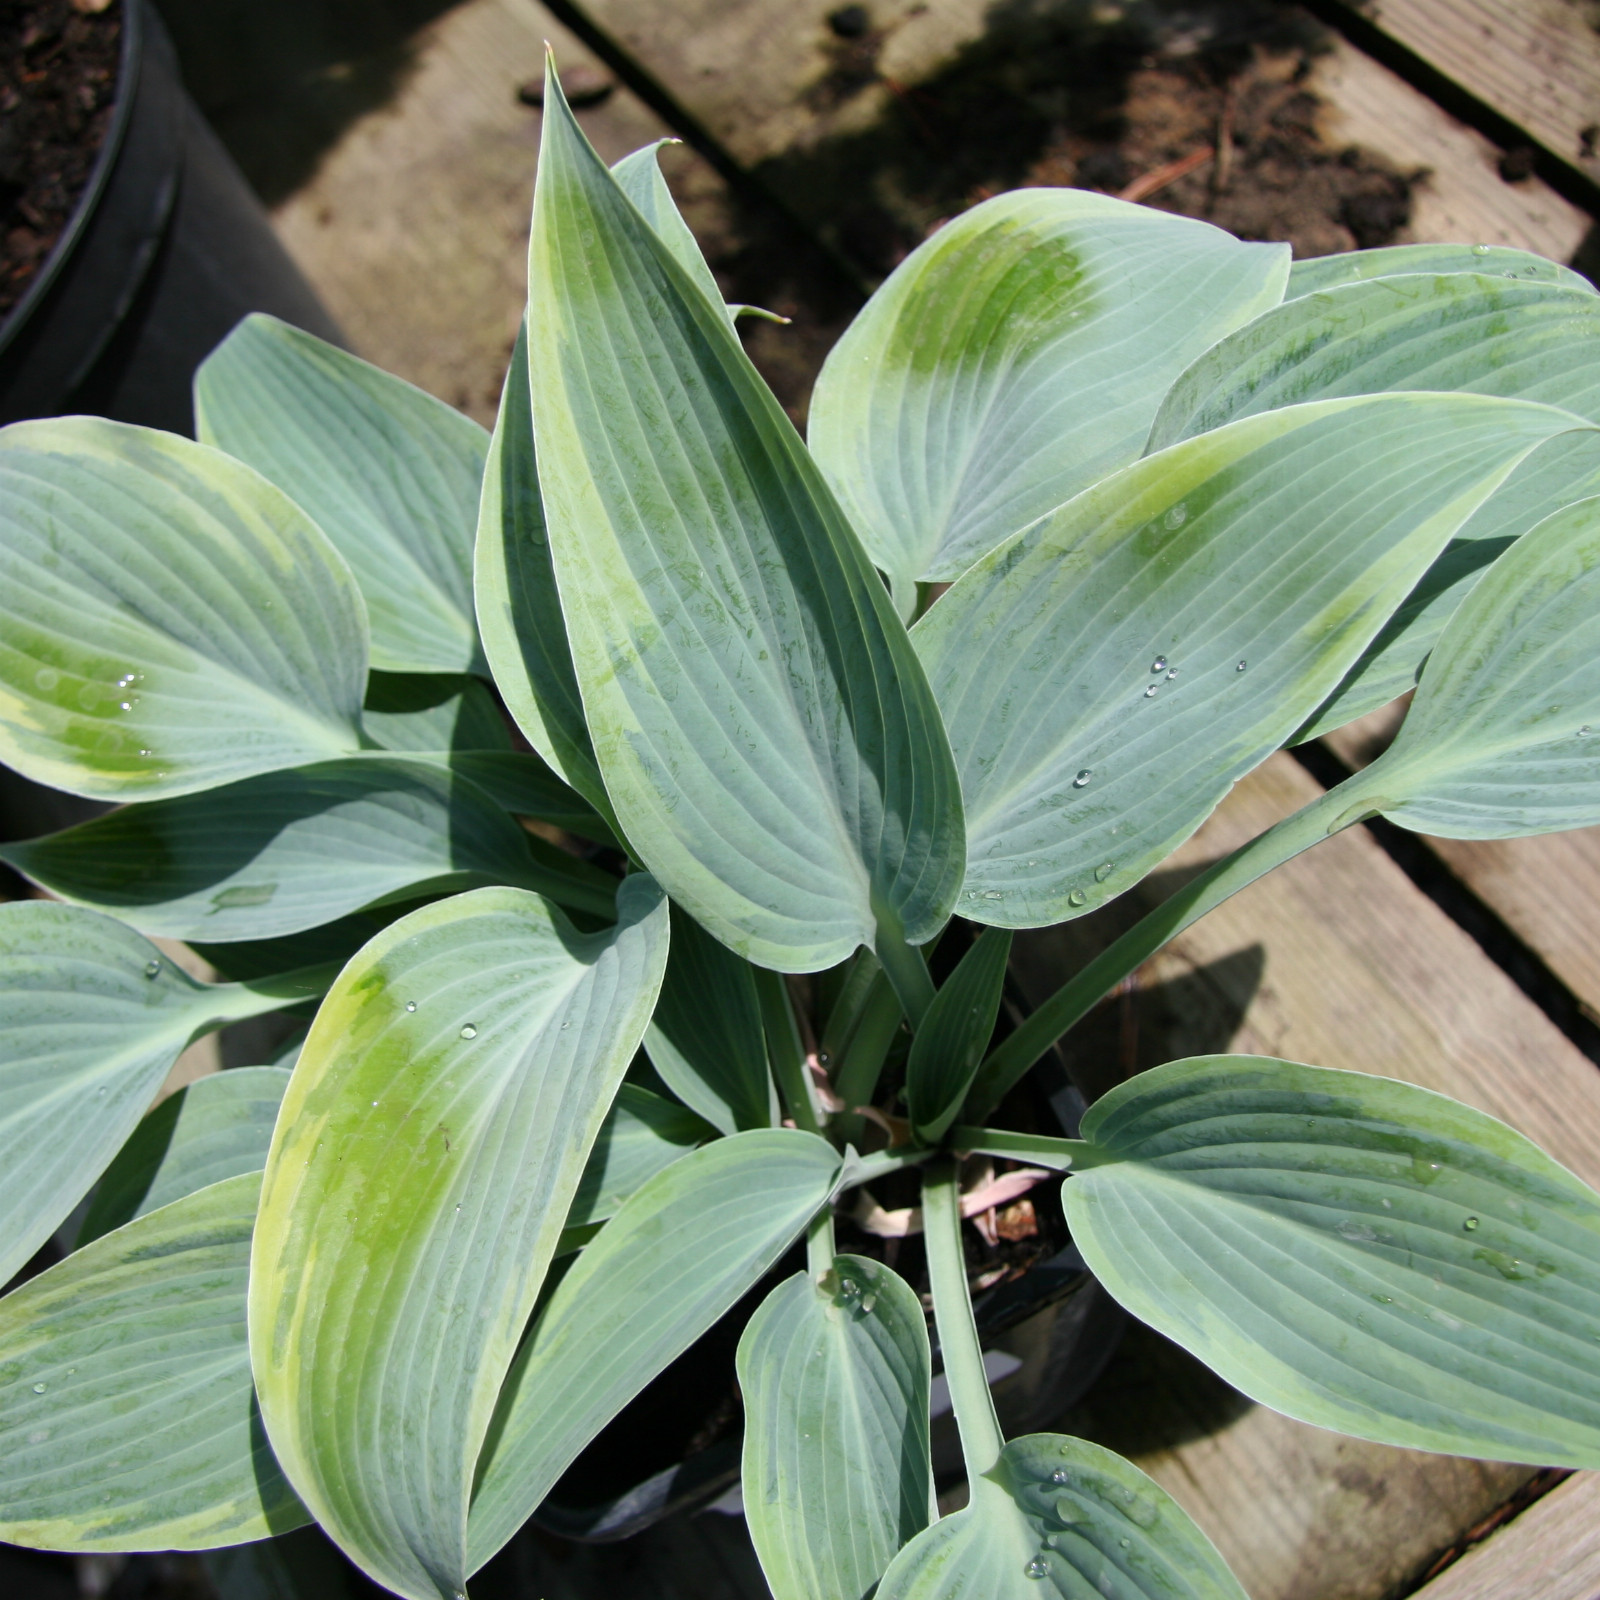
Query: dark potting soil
{"x":58,"y":79}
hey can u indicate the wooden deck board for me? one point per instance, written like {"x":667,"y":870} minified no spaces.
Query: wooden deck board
{"x":1535,"y":62}
{"x":1550,"y":1552}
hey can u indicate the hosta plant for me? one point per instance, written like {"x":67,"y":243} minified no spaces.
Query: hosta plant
{"x":1099,"y":508}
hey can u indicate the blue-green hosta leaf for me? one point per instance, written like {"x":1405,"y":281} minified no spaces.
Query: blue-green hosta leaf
{"x":519,"y":608}
{"x":676,"y":1256}
{"x":954,"y":1036}
{"x":1459,"y":332}
{"x":292,"y":850}
{"x":1501,"y":739}
{"x":639,"y":177}
{"x":1015,"y":358}
{"x":1062,"y":1519}
{"x":127,"y":1417}
{"x":1467,"y":332}
{"x":92,"y":1016}
{"x":1362,"y":1254}
{"x":390,"y":474}
{"x":432,"y":711}
{"x":169,"y":621}
{"x":522,"y":783}
{"x":1392,"y":261}
{"x":766,"y":734}
{"x":834,"y":1376}
{"x":706,"y":1039}
{"x":1107,"y":675}
{"x":428,"y":1150}
{"x":1559,"y":472}
{"x":214,"y":1128}
{"x":642,"y":1134}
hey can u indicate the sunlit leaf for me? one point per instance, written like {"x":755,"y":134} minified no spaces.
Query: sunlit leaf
{"x":214,"y":1128}
{"x":168,"y":620}
{"x":706,"y":1039}
{"x":834,"y":1376}
{"x":658,"y":1274}
{"x":127,"y":1417}
{"x":1501,"y":739}
{"x":639,"y":177}
{"x":1356,"y":1252}
{"x":765,"y":732}
{"x":1107,"y":675}
{"x":390,"y":474}
{"x":92,"y":1016}
{"x":1062,"y":1519}
{"x":291,"y":850}
{"x":1013,"y":359}
{"x":429,"y":1147}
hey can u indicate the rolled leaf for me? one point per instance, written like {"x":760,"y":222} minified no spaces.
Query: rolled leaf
{"x":92,"y":1016}
{"x":1107,"y":675}
{"x":169,"y":621}
{"x":215,"y":1128}
{"x":658,"y":1274}
{"x":766,"y":735}
{"x":642,"y":1135}
{"x":1059,"y":1517}
{"x":432,"y":711}
{"x":834,"y":1375}
{"x":1502,"y":737}
{"x":291,"y":850}
{"x":1015,"y":358}
{"x":639,"y":177}
{"x":428,"y":1150}
{"x":1359,"y":1253}
{"x":127,"y":1416}
{"x":954,"y":1036}
{"x":390,"y":474}
{"x":1392,"y":261}
{"x":706,"y":1039}
{"x":519,"y":609}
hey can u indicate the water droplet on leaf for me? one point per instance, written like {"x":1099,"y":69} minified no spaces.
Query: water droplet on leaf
{"x":1150,"y":693}
{"x":1060,"y":1475}
{"x":1470,"y":1224}
{"x":1242,"y":665}
{"x":411,"y":1005}
{"x":1083,"y":777}
{"x":1077,"y":898}
{"x":1480,"y":249}
{"x":1037,"y":1568}
{"x":468,"y":1031}
{"x":1102,"y":872}
{"x":1159,"y":664}
{"x":38,"y":1388}
{"x":152,"y":969}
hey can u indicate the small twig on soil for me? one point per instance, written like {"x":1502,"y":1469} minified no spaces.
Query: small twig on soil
{"x":1152,"y":182}
{"x":1224,"y":167}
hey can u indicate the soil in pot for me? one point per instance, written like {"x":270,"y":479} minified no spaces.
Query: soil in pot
{"x":58,"y":79}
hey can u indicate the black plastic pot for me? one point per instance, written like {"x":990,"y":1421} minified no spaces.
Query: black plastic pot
{"x":166,"y":251}
{"x":1053,"y":1331}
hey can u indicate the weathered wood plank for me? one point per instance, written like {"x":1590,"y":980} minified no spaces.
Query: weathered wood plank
{"x":1550,"y":1552}
{"x":1465,"y":198}
{"x":1335,"y":959}
{"x":769,"y":80}
{"x":1536,"y":62}
{"x":414,"y":227}
{"x":1546,"y":889}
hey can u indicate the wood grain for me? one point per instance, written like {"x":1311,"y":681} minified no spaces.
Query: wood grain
{"x":1550,"y":1552}
{"x":1338,"y":960}
{"x":1536,"y":62}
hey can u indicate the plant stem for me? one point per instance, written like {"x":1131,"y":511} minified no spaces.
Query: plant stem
{"x":860,"y":984}
{"x":819,"y":1243}
{"x":856,"y":1080}
{"x":907,"y":971}
{"x":881,"y":1162}
{"x":785,"y":1050}
{"x":1063,"y":1155}
{"x":981,"y":1439}
{"x":1328,"y":814}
